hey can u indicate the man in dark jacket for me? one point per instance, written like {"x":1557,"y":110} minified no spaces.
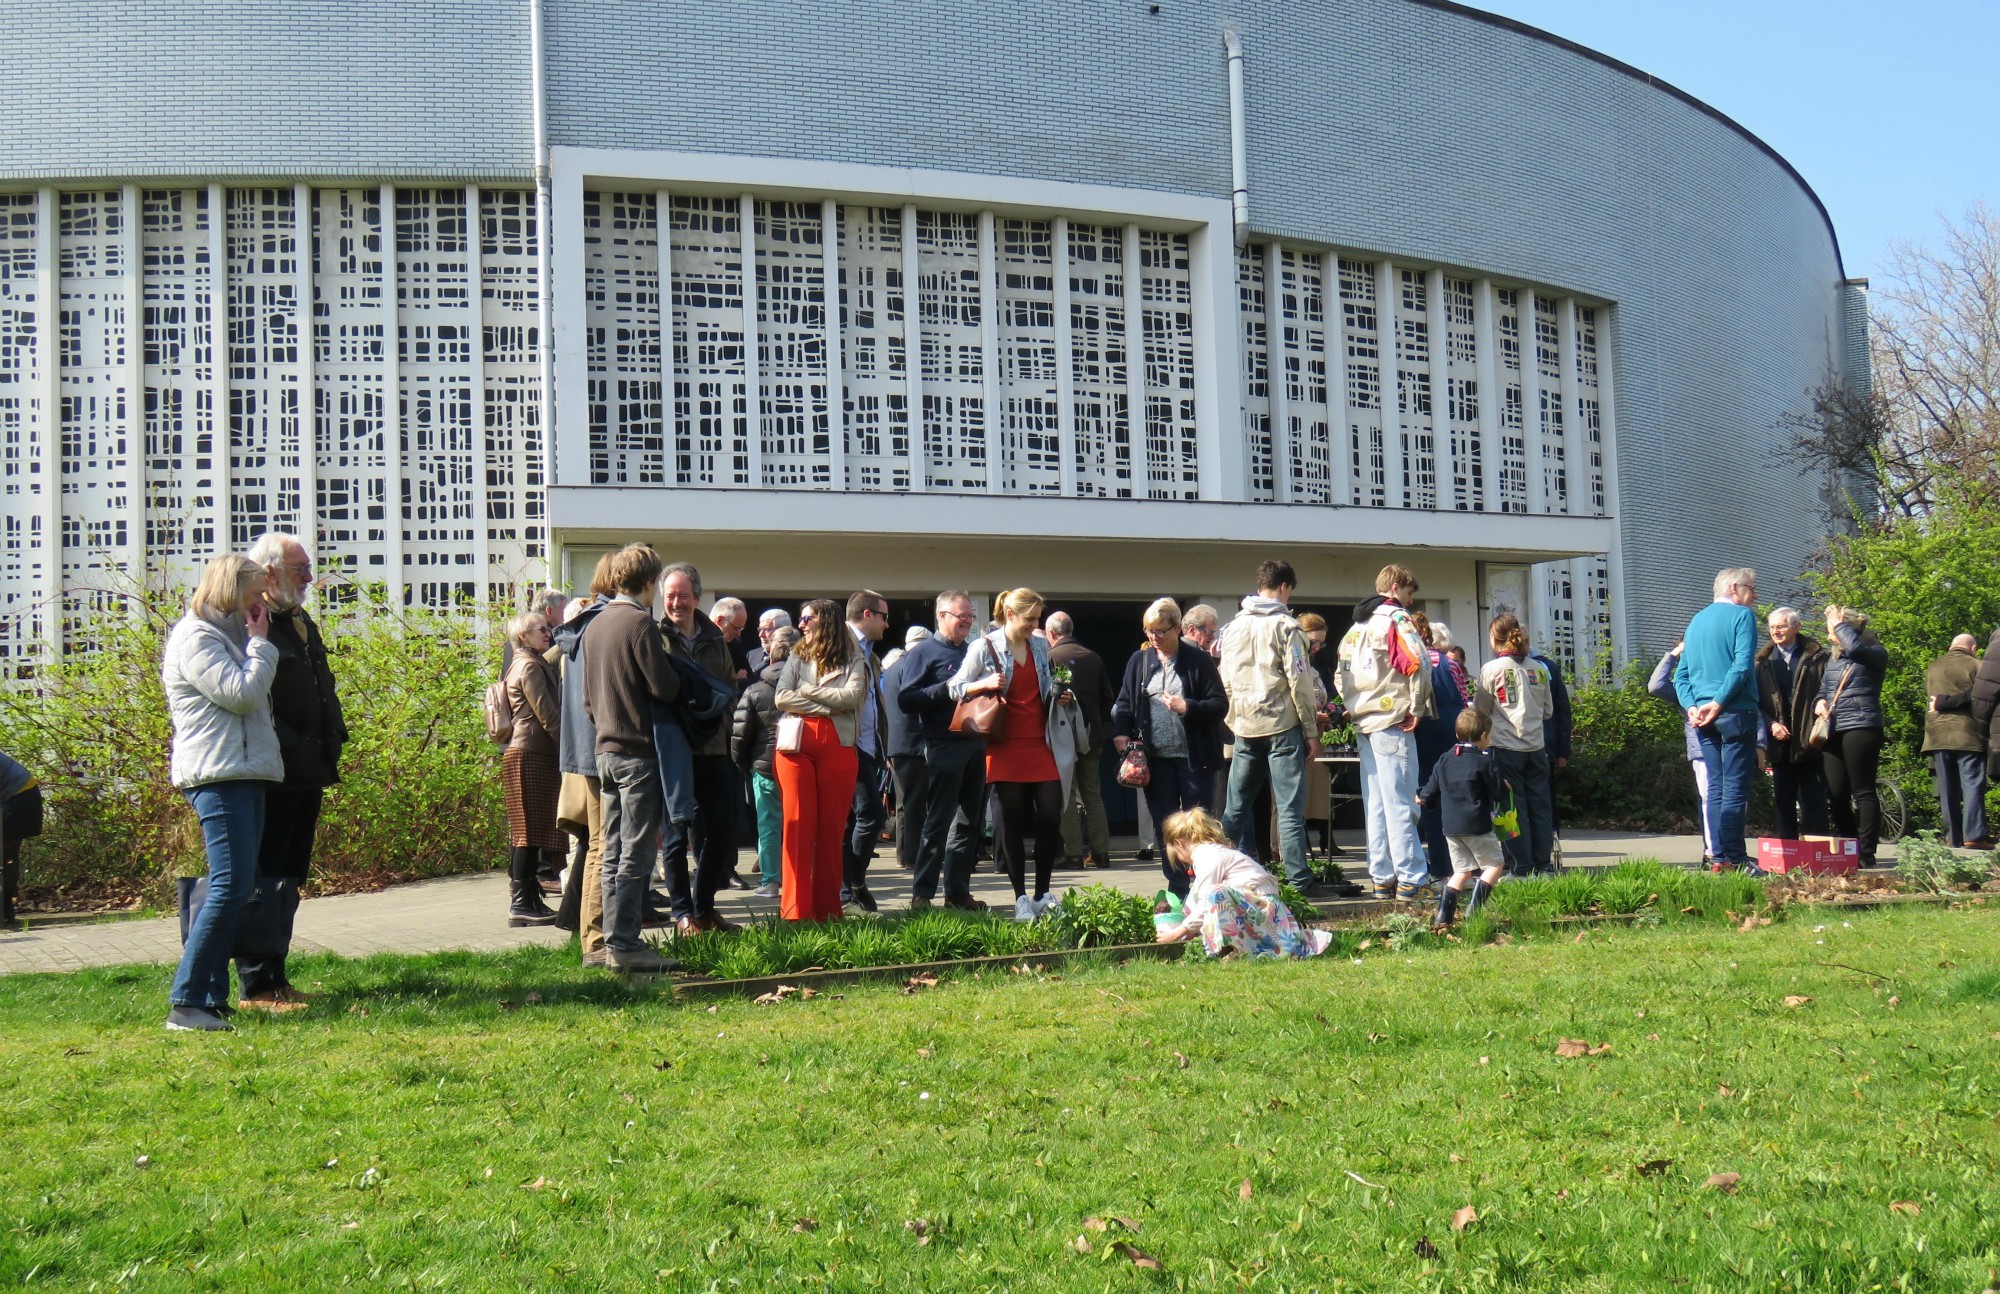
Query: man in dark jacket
{"x":1091,"y":685}
{"x":906,"y":764}
{"x":956,"y":763}
{"x":1956,"y":745}
{"x":1986,"y":704}
{"x":1789,"y":668}
{"x":625,"y":674}
{"x":577,"y":756}
{"x":311,"y":731}
{"x":692,"y":636}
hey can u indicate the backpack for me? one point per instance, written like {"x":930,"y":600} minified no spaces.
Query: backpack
{"x":499,"y":713}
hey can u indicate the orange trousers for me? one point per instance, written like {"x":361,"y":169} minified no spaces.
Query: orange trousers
{"x":817,"y":783}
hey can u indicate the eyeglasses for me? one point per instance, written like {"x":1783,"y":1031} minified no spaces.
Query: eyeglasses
{"x":957,"y":615}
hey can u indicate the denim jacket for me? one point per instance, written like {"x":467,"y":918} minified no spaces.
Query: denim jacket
{"x":991,"y":655}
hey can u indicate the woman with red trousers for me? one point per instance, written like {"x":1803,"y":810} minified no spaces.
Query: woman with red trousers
{"x":820,"y":691}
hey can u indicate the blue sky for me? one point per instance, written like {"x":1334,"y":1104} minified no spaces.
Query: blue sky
{"x":1888,"y":110}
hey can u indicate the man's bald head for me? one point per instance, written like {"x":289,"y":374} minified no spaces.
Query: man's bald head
{"x":1965,"y":643}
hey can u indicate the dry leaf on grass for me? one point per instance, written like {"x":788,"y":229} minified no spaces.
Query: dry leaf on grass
{"x":506,"y":1005}
{"x":1724,"y":1182}
{"x":1095,"y":1224}
{"x":1796,"y":1000}
{"x":1243,"y":1189}
{"x":1456,"y":1158}
{"x":1724,"y":1089}
{"x":1655,"y":1167}
{"x":920,"y":1229}
{"x":540,"y":1183}
{"x":1464,"y":1218}
{"x":1571,"y":1048}
{"x":1910,"y":1207}
{"x":925,"y":1052}
{"x":532,"y":999}
{"x":1081,"y":1244}
{"x":923,"y":981}
{"x":1139,"y":1257}
{"x":1180,"y":1061}
{"x":1424,"y":1248}
{"x":805,"y":1226}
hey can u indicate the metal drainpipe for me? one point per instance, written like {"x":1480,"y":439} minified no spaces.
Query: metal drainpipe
{"x":1239,"y":177}
{"x":544,"y":306}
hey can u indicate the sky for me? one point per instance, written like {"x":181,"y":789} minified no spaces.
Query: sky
{"x":1887,"y":110}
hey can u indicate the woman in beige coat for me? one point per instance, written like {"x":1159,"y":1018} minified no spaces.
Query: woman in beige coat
{"x":529,"y":772}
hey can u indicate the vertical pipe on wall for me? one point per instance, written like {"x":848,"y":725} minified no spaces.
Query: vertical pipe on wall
{"x":1576,"y":441}
{"x":1388,"y":350}
{"x":1532,"y":452}
{"x":1608,"y":352}
{"x":753,"y":396}
{"x":1239,"y":169}
{"x":545,"y":329}
{"x":1277,"y":378}
{"x":913,"y":346}
{"x":1339,"y":427}
{"x":836,"y":387}
{"x":48,"y":413}
{"x":1143,"y":480}
{"x":663,"y":240}
{"x":1065,"y":360}
{"x":302,"y":292}
{"x":989,"y":347}
{"x":1486,"y":355}
{"x":392,"y":401}
{"x":221,"y":432}
{"x":475,"y":291}
{"x":1438,"y":323}
{"x":133,"y":249}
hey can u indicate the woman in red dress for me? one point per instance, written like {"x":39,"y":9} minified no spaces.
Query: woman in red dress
{"x":1020,"y":766}
{"x":820,"y":690}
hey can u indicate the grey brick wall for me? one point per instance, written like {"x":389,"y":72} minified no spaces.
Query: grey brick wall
{"x":1383,"y":125}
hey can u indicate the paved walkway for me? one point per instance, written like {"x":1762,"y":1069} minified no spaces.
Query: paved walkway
{"x":464,"y":912}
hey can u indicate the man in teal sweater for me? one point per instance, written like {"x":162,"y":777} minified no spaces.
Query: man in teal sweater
{"x":1717,"y":686}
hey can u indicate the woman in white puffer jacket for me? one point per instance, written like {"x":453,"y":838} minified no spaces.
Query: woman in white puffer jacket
{"x":218,"y":671}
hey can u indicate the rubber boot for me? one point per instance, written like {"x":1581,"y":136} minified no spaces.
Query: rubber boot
{"x":1480,"y":889}
{"x":527,"y":908}
{"x":1447,"y":905}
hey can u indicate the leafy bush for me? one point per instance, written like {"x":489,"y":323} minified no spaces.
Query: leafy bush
{"x":420,"y":791}
{"x":1628,"y":766}
{"x":1301,"y":907}
{"x":1098,"y":915}
{"x":1927,"y":863}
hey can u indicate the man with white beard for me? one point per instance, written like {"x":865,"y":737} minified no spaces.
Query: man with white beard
{"x":311,"y":732}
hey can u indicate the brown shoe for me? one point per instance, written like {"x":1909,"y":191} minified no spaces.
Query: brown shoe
{"x":1095,"y":861}
{"x":965,"y":903}
{"x":688,"y":927}
{"x":269,"y":1003}
{"x":289,"y":994}
{"x":713,"y":920}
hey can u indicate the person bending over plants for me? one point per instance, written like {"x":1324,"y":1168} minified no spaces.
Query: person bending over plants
{"x":1232,"y":903}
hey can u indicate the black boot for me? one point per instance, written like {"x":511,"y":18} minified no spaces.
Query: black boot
{"x":1447,"y":905}
{"x":1480,"y":889}
{"x":527,"y":908}
{"x":10,"y":885}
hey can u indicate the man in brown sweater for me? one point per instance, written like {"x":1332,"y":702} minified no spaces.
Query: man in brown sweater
{"x":624,"y":673}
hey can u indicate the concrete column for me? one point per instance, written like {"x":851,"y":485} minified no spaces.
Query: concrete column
{"x":1283,"y":488}
{"x":1438,"y":322}
{"x":663,"y":236}
{"x":753,"y":395}
{"x":1065,"y":360}
{"x":1492,"y":400}
{"x":1143,"y":479}
{"x":913,"y":348}
{"x":48,"y":413}
{"x":836,"y":392}
{"x":1339,"y":425}
{"x":392,"y":405}
{"x":1531,"y":407}
{"x":133,"y":251}
{"x":1388,"y":301}
{"x":482,"y":548}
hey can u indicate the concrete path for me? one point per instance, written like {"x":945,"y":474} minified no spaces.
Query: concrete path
{"x":469,"y":912}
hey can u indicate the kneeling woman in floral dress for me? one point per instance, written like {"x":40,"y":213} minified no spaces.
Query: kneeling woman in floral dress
{"x":1232,"y":902}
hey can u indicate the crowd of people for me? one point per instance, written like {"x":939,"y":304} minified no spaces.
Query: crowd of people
{"x":634,"y":726}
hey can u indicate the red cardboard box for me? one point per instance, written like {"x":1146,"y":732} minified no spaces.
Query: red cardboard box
{"x":1815,"y":855}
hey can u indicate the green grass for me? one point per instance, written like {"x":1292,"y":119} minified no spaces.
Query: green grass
{"x":474,"y":1121}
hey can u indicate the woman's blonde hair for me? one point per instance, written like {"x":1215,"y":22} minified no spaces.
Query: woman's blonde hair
{"x":1192,"y":827}
{"x":1163,"y":614}
{"x":1313,"y":622}
{"x":1016,"y":603}
{"x":1507,"y":635}
{"x":520,"y":625}
{"x":220,"y":593}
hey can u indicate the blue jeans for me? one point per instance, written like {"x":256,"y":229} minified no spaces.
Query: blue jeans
{"x":1176,"y":786}
{"x":1961,"y":788}
{"x":1280,"y":758}
{"x":1729,"y":752}
{"x":1389,"y":796}
{"x":232,"y":830}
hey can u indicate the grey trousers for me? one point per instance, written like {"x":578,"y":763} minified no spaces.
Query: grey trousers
{"x":633,"y":806}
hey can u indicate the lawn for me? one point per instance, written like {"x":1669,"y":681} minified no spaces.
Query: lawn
{"x":507,"y":1122}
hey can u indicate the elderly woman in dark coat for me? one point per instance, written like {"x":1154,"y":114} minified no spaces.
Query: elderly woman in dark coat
{"x":529,"y":773}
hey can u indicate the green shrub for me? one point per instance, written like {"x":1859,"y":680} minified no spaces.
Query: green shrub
{"x":1927,"y":863}
{"x":1301,"y":907}
{"x":937,"y":937}
{"x":1098,"y":915}
{"x":1570,"y":894}
{"x":420,"y":790}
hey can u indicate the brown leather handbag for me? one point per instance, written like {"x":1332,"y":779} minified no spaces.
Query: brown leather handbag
{"x":979,"y":716}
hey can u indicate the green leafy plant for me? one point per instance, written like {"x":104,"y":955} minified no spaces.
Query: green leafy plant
{"x":1098,"y":915}
{"x":1924,"y":862}
{"x":1301,"y":907}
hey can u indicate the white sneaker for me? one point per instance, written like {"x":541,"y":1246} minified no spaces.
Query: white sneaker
{"x":1024,"y":909}
{"x":1043,"y":904}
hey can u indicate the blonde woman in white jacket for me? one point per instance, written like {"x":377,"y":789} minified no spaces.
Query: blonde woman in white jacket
{"x":218,"y":671}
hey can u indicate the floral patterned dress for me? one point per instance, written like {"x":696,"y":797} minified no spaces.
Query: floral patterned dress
{"x":1233,"y":903}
